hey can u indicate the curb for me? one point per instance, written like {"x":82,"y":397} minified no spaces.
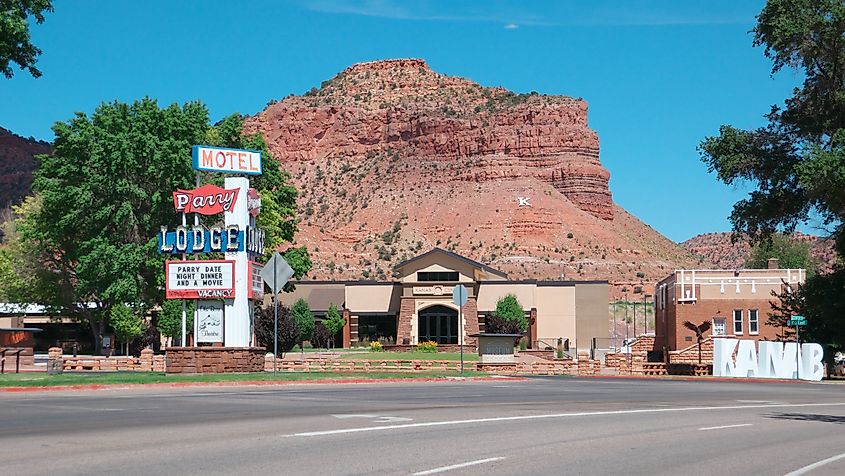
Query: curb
{"x":687,"y":378}
{"x":253,"y":383}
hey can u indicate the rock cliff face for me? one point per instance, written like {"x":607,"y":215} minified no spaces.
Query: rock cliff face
{"x":391,"y":159}
{"x":403,"y":105}
{"x":17,"y":162}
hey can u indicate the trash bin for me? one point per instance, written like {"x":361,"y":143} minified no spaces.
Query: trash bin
{"x":55,"y":366}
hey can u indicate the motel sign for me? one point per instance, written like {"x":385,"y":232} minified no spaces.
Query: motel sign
{"x":219,"y":159}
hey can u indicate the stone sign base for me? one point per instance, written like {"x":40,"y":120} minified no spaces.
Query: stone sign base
{"x":214,"y":360}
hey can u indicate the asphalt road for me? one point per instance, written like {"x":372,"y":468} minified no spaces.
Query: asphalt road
{"x":538,"y":426}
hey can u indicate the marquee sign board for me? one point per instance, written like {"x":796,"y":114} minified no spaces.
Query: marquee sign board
{"x":199,"y":239}
{"x":220,"y":159}
{"x":256,"y":283}
{"x":253,"y":202}
{"x":782,"y":360}
{"x":206,"y":200}
{"x":200,"y":279}
{"x":209,"y":321}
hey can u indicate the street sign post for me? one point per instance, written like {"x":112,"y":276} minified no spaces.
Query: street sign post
{"x":459,"y":297}
{"x":797,"y":322}
{"x":276,"y":274}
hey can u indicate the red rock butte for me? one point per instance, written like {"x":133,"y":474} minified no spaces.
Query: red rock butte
{"x":403,"y":104}
{"x":391,"y":158}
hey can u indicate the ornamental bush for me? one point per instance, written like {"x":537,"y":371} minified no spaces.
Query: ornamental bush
{"x":427,"y":346}
{"x":509,"y":309}
{"x":288,"y":334}
{"x":375,"y":346}
{"x":321,"y":336}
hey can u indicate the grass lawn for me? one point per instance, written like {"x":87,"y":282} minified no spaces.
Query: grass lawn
{"x":122,"y":378}
{"x":468,"y":356}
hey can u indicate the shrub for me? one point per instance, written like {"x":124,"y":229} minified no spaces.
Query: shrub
{"x":264,"y":329}
{"x":509,"y":308}
{"x":321,"y":336}
{"x":495,"y":324}
{"x":427,"y":346}
{"x":375,"y":346}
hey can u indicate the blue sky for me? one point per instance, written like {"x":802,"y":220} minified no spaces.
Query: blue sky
{"x":659,"y":75}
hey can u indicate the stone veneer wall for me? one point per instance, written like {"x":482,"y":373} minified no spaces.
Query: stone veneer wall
{"x":203,"y":360}
{"x":147,"y":362}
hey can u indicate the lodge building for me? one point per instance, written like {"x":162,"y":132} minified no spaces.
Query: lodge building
{"x":418,"y":305}
{"x":736,"y":303}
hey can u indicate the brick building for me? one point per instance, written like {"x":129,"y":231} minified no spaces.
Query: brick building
{"x":418,"y":306}
{"x":737,"y":303}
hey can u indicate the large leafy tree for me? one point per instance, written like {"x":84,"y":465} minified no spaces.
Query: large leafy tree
{"x":106,"y":190}
{"x":15,"y":44}
{"x":790,"y":252}
{"x":796,"y":162}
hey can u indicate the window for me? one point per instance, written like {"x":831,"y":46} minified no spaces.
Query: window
{"x":753,"y":326}
{"x":429,"y":276}
{"x":737,"y":321}
{"x":718,"y":326}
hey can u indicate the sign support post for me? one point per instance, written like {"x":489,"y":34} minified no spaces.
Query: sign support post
{"x":797,"y":321}
{"x":459,"y":297}
{"x":276,"y":274}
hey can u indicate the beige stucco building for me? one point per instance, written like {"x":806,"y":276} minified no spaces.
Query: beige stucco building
{"x":418,"y":305}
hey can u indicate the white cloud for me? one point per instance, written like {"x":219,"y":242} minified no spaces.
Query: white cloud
{"x":511,"y":26}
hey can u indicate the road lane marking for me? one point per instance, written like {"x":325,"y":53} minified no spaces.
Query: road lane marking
{"x":458,"y":466}
{"x":375,"y":418}
{"x":553,"y":416}
{"x":723,"y":426}
{"x":817,"y":464}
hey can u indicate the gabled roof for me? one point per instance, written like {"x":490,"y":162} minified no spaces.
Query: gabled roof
{"x":456,"y":256}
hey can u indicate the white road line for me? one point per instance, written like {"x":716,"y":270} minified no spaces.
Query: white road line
{"x":723,"y":426}
{"x":817,"y":464}
{"x":457,"y":466}
{"x":555,"y":415}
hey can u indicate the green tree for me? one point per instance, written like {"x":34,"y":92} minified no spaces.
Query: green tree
{"x":796,"y":163}
{"x":106,"y":190}
{"x":304,"y":320}
{"x":509,"y":309}
{"x":169,"y":322}
{"x":15,"y":45}
{"x":334,"y":321}
{"x":126,"y":324}
{"x":790,"y":253}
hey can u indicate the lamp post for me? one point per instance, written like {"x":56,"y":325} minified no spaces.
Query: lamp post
{"x":645,"y":313}
{"x":627,"y":324}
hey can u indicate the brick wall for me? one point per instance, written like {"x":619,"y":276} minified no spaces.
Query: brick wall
{"x":214,"y":359}
{"x":708,"y":309}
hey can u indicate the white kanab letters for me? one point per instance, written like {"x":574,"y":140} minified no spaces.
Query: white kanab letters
{"x":771,"y":360}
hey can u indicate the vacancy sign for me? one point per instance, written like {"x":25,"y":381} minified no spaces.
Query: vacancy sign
{"x":200,"y":279}
{"x":219,"y":159}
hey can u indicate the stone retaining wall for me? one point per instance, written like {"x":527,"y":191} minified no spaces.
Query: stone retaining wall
{"x":201,"y":360}
{"x":147,"y":362}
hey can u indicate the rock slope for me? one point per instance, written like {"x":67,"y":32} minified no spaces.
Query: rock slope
{"x":392,"y":158}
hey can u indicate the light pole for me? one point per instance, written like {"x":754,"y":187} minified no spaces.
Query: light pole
{"x":627,"y":324}
{"x":645,"y":313}
{"x":615,"y":334}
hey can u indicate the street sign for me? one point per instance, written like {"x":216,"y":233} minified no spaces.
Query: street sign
{"x":798,"y":321}
{"x":459,"y":295}
{"x":276,"y":273}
